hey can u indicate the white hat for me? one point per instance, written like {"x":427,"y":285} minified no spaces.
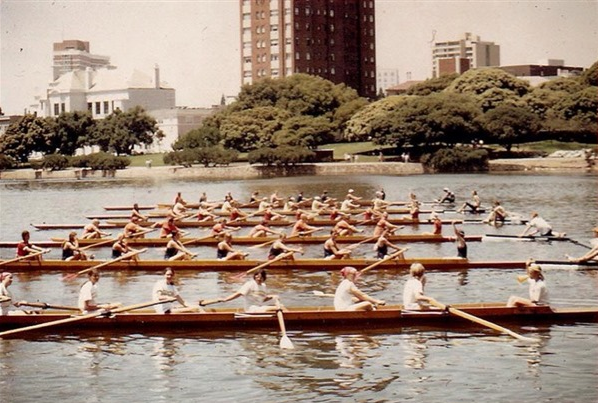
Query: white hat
{"x":317,"y":198}
{"x":446,"y":189}
{"x":350,"y":190}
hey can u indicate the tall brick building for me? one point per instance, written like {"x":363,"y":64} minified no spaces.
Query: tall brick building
{"x":333,"y":39}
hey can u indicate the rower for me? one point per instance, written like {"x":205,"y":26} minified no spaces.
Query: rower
{"x":179,"y":199}
{"x":92,"y":230}
{"x":350,"y":298}
{"x":175,"y":250}
{"x":263,"y":204}
{"x":317,"y":206}
{"x":257,"y":298}
{"x":262,"y":230}
{"x":225,"y":250}
{"x":331,"y":249}
{"x":136,"y":213}
{"x":301,"y":227}
{"x":167,"y":227}
{"x":165,"y":289}
{"x":460,"y":240}
{"x":121,"y":247}
{"x":437,"y":223}
{"x":89,"y":293}
{"x":133,"y":230}
{"x":540,"y":226}
{"x":538,"y":294}
{"x":6,"y":298}
{"x":270,"y":215}
{"x":343,"y":227}
{"x":348,"y":205}
{"x":279,"y":247}
{"x":381,"y":247}
{"x":70,"y":249}
{"x":413,"y":291}
{"x":275,"y":200}
{"x":384,"y":225}
{"x":497,"y":215}
{"x":351,"y":195}
{"x":591,"y":255}
{"x":221,"y":226}
{"x":447,"y":197}
{"x":25,"y":248}
{"x":474,"y":205}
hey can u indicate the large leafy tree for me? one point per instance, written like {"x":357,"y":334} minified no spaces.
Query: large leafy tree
{"x":72,"y":129}
{"x":204,"y":136}
{"x":490,"y":87}
{"x":509,"y":124}
{"x":29,"y":134}
{"x":121,"y":131}
{"x":432,"y":85}
{"x":361,"y":125}
{"x":576,"y":112}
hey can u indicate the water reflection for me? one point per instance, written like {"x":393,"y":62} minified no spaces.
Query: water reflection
{"x":415,"y":350}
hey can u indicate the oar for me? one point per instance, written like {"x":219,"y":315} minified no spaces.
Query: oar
{"x":322,"y":294}
{"x":483,"y":322}
{"x":44,"y":305}
{"x":355,"y":245}
{"x":94,"y":245}
{"x":261,"y":266}
{"x":308,"y":232}
{"x":285,"y":342}
{"x":261,"y":245}
{"x":573,"y":241}
{"x":104,"y":264}
{"x":146,"y":231}
{"x":379,"y":262}
{"x":84,"y":317}
{"x":24,"y":257}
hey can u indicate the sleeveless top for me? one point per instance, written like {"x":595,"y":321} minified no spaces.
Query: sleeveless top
{"x":462,"y":251}
{"x":221,"y":253}
{"x":170,"y":252}
{"x":382,"y":251}
{"x":66,"y":253}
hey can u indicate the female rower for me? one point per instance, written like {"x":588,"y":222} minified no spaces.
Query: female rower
{"x":92,"y":231}
{"x":225,"y":250}
{"x":331,"y":249}
{"x":262,"y":230}
{"x":257,"y":298}
{"x":591,"y":255}
{"x":89,"y":292}
{"x":278,"y":248}
{"x":121,"y":247}
{"x":71,"y":250}
{"x":136,"y":213}
{"x":474,"y":205}
{"x":175,"y":250}
{"x":437,"y":223}
{"x":497,"y":215}
{"x":413,"y":291}
{"x":343,"y":227}
{"x":301,"y":227}
{"x":25,"y":248}
{"x":350,"y":298}
{"x":460,"y":239}
{"x":5,"y":294}
{"x":165,"y":289}
{"x":538,"y":294}
{"x":381,"y":247}
{"x":384,"y":225}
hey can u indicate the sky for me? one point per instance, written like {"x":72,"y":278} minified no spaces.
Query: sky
{"x":196,"y":42}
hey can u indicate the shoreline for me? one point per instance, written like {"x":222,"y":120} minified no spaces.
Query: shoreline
{"x":246,"y":171}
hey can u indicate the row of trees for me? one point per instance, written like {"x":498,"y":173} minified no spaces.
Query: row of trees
{"x":119,"y":132}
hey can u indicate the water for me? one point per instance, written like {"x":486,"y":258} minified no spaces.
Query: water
{"x":411,"y":364}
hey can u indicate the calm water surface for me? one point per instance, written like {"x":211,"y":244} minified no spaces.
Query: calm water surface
{"x":405,"y":365}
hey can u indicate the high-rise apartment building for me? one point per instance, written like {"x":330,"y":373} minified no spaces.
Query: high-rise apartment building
{"x":71,"y":55}
{"x":333,"y":39}
{"x":461,"y":55}
{"x":387,"y":78}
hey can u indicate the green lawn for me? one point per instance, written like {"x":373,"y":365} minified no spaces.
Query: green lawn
{"x":139,"y":160}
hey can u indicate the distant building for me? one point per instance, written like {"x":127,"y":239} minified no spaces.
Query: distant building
{"x":402,"y":88}
{"x":545,"y":68}
{"x":71,"y":55}
{"x":335,"y":40}
{"x":463,"y":54}
{"x":386,"y":78}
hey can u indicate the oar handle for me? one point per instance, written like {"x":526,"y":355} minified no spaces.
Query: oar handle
{"x":24,"y":257}
{"x":195,"y":240}
{"x":379,"y":262}
{"x":94,"y":245}
{"x":44,"y":305}
{"x":205,"y":302}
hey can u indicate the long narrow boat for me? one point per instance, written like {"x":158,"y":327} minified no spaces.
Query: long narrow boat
{"x":190,"y":223}
{"x":209,"y":265}
{"x":391,"y":318}
{"x":528,"y":238}
{"x":244,"y":240}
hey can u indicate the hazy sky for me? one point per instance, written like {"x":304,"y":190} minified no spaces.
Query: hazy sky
{"x":196,"y":42}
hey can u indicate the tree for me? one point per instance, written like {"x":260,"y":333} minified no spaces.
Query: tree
{"x":508,"y":125}
{"x":432,"y":85}
{"x":590,"y":76}
{"x":576,"y":112}
{"x":120,"y":132}
{"x":72,"y":129}
{"x":204,"y":136}
{"x":360,"y":126}
{"x":27,"y":135}
{"x":490,"y":87}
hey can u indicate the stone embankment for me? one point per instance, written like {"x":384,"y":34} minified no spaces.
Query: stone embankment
{"x":245,"y":171}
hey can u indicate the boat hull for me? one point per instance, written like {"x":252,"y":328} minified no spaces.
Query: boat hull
{"x":315,"y":318}
{"x":438,"y":264}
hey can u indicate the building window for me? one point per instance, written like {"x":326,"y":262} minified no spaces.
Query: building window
{"x":106,"y":108}
{"x":297,"y":56}
{"x":98,"y":109}
{"x":56,"y":109}
{"x":63,"y":107}
{"x":89,"y":106}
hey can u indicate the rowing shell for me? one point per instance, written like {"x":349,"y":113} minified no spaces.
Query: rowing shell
{"x":208,"y":265}
{"x":238,"y":223}
{"x":244,"y":240}
{"x":529,"y":238}
{"x":391,"y":318}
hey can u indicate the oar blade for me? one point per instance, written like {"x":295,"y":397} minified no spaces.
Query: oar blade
{"x":286,"y":343}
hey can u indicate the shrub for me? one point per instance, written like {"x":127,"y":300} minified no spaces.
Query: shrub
{"x":456,"y":160}
{"x":283,"y":155}
{"x":100,"y":161}
{"x":6,"y":162}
